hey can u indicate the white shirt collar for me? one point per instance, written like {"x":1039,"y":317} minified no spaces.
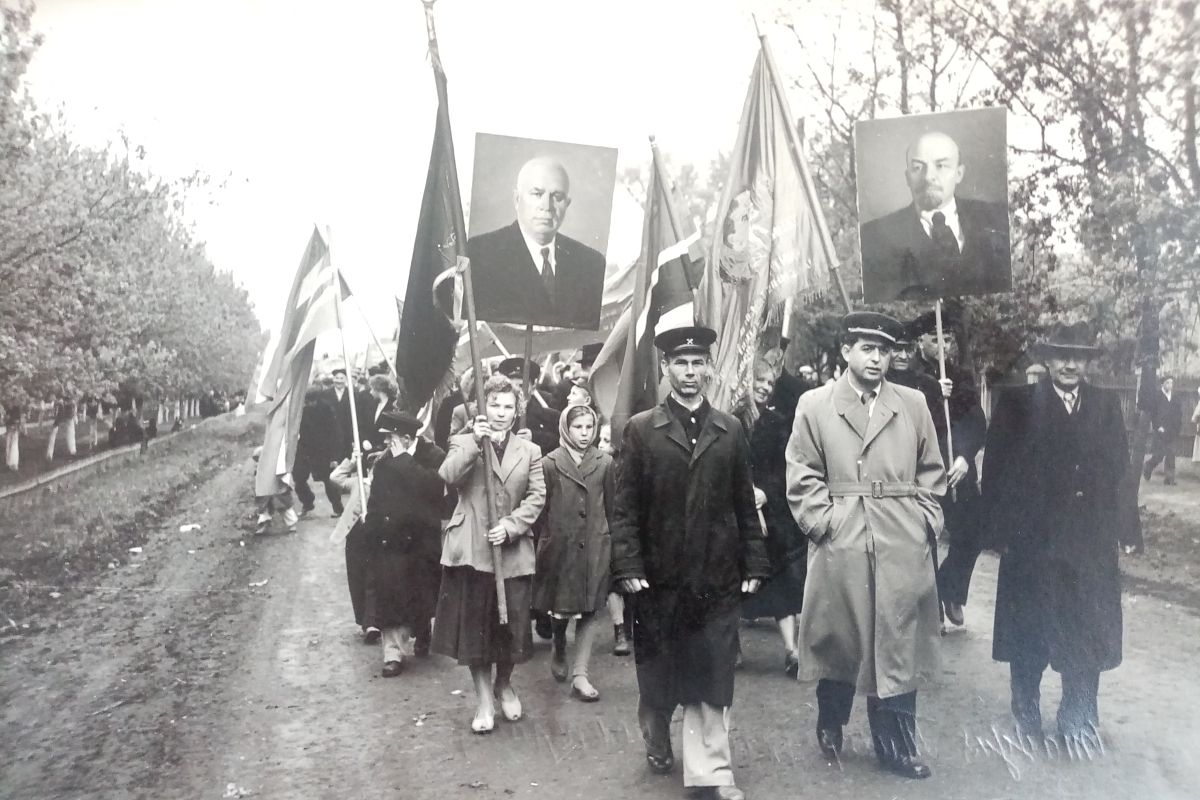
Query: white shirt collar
{"x":535,"y":251}
{"x":1062,"y":394}
{"x":950,"y":211}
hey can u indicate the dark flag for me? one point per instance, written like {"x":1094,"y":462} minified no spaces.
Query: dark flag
{"x":427,"y":341}
{"x":625,"y":376}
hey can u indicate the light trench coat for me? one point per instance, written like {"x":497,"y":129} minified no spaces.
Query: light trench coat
{"x":870,"y":613}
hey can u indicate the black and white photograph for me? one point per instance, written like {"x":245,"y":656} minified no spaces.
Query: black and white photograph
{"x":933,"y":205}
{"x":638,"y":400}
{"x":539,"y":225}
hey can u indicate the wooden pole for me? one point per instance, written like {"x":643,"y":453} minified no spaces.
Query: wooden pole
{"x":486,"y":447}
{"x":355,"y":455}
{"x":374,"y":338}
{"x":937,"y":314}
{"x":525,"y":377}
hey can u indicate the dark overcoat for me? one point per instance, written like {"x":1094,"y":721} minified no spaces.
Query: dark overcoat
{"x":1050,"y":492}
{"x":684,"y":520}
{"x":318,"y":444}
{"x":404,"y":535}
{"x":575,"y":546}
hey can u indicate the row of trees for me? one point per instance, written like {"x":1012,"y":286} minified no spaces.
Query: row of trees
{"x":101,"y":282}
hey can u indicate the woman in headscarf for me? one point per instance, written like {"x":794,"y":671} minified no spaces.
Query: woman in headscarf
{"x":467,"y":626}
{"x":573,"y":555}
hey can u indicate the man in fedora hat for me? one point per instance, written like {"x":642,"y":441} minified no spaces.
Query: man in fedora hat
{"x":863,"y":480}
{"x":1053,"y":464}
{"x":686,"y":545}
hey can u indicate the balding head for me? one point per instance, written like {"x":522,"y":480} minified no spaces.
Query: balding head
{"x":541,"y":198}
{"x":932,"y":170}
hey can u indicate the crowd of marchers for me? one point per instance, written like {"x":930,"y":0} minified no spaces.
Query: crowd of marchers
{"x":818,"y":503}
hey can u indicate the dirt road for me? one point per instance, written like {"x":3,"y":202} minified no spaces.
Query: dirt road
{"x":220,"y":664}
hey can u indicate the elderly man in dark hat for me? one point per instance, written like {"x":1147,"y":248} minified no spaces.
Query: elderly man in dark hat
{"x":1054,"y":459}
{"x":864,"y":476}
{"x":687,"y":545}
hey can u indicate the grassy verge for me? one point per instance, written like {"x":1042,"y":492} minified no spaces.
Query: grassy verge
{"x":1170,"y":567}
{"x":68,"y":536}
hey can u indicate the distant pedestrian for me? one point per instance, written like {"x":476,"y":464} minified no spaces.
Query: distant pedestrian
{"x":65,"y":412}
{"x":574,"y":551}
{"x":317,"y":450}
{"x":1166,"y":420}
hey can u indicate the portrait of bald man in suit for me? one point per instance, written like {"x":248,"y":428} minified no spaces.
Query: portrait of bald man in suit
{"x":941,"y":244}
{"x":528,"y":271}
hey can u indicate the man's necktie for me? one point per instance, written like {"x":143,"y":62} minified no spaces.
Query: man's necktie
{"x":867,"y":397}
{"x":547,"y":274}
{"x":943,"y":238}
{"x":1069,"y":401}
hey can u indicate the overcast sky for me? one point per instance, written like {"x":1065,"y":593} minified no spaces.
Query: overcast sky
{"x":320,"y":111}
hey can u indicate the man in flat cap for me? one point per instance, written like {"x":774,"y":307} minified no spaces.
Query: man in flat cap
{"x":864,"y":476}
{"x":968,"y":427}
{"x":528,"y":272}
{"x":1052,"y":467}
{"x":941,"y":244}
{"x":687,"y":545}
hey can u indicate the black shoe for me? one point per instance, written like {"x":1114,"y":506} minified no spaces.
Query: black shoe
{"x":954,"y":613}
{"x":421,"y":648}
{"x":830,"y":742}
{"x":306,"y":509}
{"x":543,"y":628}
{"x":660,"y":765}
{"x":621,"y":645}
{"x":371,"y":635}
{"x":907,"y":766}
{"x":392,"y":668}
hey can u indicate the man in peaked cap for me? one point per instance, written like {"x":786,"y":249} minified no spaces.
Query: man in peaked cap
{"x":968,"y":427}
{"x":687,"y":545}
{"x":1052,"y":468}
{"x":863,"y":478}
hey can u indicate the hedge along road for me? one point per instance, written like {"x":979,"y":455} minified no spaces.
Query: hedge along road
{"x":219,"y":664}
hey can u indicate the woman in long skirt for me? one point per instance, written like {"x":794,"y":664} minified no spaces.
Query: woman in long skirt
{"x":573,"y":553}
{"x":467,"y":626}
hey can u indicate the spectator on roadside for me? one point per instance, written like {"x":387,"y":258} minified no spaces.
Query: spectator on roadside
{"x":1166,"y":420}
{"x":64,"y":420}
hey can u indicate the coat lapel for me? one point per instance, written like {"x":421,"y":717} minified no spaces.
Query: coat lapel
{"x":567,"y":468}
{"x":503,"y":468}
{"x":713,"y":428}
{"x":664,"y":420}
{"x":848,"y":406}
{"x":887,"y":405}
{"x":589,"y":464}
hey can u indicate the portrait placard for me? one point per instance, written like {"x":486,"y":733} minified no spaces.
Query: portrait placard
{"x":933,"y":205}
{"x":539,"y":230}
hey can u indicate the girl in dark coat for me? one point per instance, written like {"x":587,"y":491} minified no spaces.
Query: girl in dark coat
{"x":572,"y":579}
{"x":781,"y":595}
{"x":403,"y":534}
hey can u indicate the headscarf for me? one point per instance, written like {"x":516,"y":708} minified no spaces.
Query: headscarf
{"x":569,"y":415}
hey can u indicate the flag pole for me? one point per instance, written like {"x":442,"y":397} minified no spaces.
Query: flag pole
{"x":937,"y":315}
{"x":374,"y":338}
{"x":355,"y":455}
{"x":810,"y":191}
{"x":486,"y":447}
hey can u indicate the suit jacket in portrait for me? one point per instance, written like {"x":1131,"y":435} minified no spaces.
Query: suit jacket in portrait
{"x":508,"y":284}
{"x":899,"y":261}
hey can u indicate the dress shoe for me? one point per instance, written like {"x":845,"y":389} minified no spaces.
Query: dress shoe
{"x":582,"y":689}
{"x":371,"y":635}
{"x":660,"y":765}
{"x":620,"y":641}
{"x":421,"y":648}
{"x":954,"y":613}
{"x":392,"y":668}
{"x":791,"y":665}
{"x":907,"y":766}
{"x":830,"y":742}
{"x":542,"y":627}
{"x":306,"y":509}
{"x":510,"y":704}
{"x":718,"y":793}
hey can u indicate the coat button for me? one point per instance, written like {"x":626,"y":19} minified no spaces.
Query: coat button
{"x":581,"y":545}
{"x":1079,"y":494}
{"x":583,"y":513}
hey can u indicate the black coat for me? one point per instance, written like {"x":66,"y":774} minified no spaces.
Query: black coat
{"x":968,"y":427}
{"x":1166,"y":414}
{"x":1050,"y":495}
{"x":900,"y":263}
{"x":319,"y":444}
{"x":684,"y":520}
{"x":508,"y":284}
{"x":403,"y":535}
{"x":768,"y":457}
